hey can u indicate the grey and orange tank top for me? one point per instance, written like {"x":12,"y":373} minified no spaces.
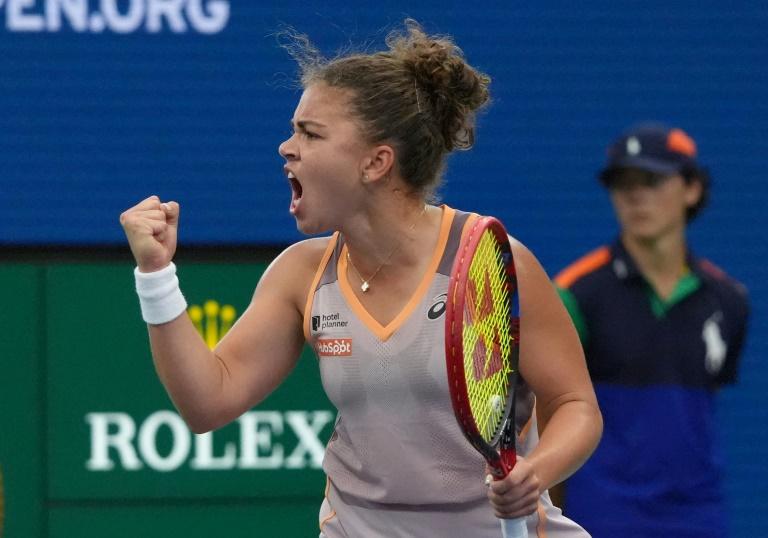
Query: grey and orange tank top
{"x":397,"y":463}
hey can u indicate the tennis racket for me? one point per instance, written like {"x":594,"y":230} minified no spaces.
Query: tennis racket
{"x":482,"y":348}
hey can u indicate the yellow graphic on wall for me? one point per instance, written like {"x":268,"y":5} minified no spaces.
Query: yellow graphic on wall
{"x":212,"y":320}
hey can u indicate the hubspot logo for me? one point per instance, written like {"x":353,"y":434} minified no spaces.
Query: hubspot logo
{"x":334,"y":347}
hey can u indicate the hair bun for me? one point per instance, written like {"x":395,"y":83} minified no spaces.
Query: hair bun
{"x":419,"y":95}
{"x":448,"y":89}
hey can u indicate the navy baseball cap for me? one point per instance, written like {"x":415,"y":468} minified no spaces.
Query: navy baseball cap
{"x":652,"y":147}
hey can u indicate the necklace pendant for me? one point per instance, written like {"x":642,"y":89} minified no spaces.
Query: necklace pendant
{"x":364,"y":286}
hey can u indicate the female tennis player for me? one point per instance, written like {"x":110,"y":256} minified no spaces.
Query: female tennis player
{"x":370,"y":136}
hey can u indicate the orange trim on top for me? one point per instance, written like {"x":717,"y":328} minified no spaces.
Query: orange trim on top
{"x":313,"y":288}
{"x":384,"y":332}
{"x":333,"y":512}
{"x":541,"y":527}
{"x":585,"y":265}
{"x":467,"y":225}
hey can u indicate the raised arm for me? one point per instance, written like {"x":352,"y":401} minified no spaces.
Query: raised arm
{"x":211,"y":388}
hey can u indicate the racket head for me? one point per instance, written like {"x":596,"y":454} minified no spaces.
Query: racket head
{"x":482,"y":341}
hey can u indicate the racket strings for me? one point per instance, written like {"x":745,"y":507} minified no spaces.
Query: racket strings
{"x":487,"y":339}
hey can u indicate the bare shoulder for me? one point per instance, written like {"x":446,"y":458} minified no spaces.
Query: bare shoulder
{"x":518,"y":247}
{"x":294,"y":269}
{"x":539,"y":301}
{"x":527,"y":265}
{"x":303,"y":256}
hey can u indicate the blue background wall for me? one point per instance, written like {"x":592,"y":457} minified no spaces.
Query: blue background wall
{"x":99,"y":108}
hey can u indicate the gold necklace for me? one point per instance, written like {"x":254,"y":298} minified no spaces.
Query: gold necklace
{"x":366,"y":282}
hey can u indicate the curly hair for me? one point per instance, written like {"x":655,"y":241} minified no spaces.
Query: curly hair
{"x":420,"y":95}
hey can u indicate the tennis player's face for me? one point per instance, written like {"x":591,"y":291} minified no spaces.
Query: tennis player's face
{"x":324,"y":159}
{"x":651,"y":207}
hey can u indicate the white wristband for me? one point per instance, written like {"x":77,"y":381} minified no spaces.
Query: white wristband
{"x":159,"y":295}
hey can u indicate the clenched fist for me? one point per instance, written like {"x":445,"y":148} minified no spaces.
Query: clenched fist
{"x":151,"y":228}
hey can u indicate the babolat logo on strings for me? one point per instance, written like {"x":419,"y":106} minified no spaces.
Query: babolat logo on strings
{"x":328,"y":321}
{"x":118,"y":16}
{"x":212,"y":320}
{"x":492,"y":342}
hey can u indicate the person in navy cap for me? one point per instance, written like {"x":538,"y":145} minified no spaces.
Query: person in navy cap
{"x":662,"y":330}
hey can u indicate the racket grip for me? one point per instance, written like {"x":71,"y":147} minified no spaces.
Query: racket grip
{"x":514,"y":528}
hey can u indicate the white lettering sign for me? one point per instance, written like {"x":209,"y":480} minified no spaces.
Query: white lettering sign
{"x":117,"y":441}
{"x":122,"y":17}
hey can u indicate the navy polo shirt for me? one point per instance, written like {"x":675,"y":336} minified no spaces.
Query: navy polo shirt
{"x":655,"y":365}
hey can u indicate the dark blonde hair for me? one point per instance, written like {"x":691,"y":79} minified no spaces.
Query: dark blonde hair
{"x":420,"y":95}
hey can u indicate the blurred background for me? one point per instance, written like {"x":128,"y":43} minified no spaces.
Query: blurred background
{"x":103,"y":103}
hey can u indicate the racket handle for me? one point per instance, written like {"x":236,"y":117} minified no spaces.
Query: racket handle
{"x":514,"y":528}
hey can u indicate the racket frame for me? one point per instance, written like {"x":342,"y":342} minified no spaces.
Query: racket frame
{"x":500,"y":451}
